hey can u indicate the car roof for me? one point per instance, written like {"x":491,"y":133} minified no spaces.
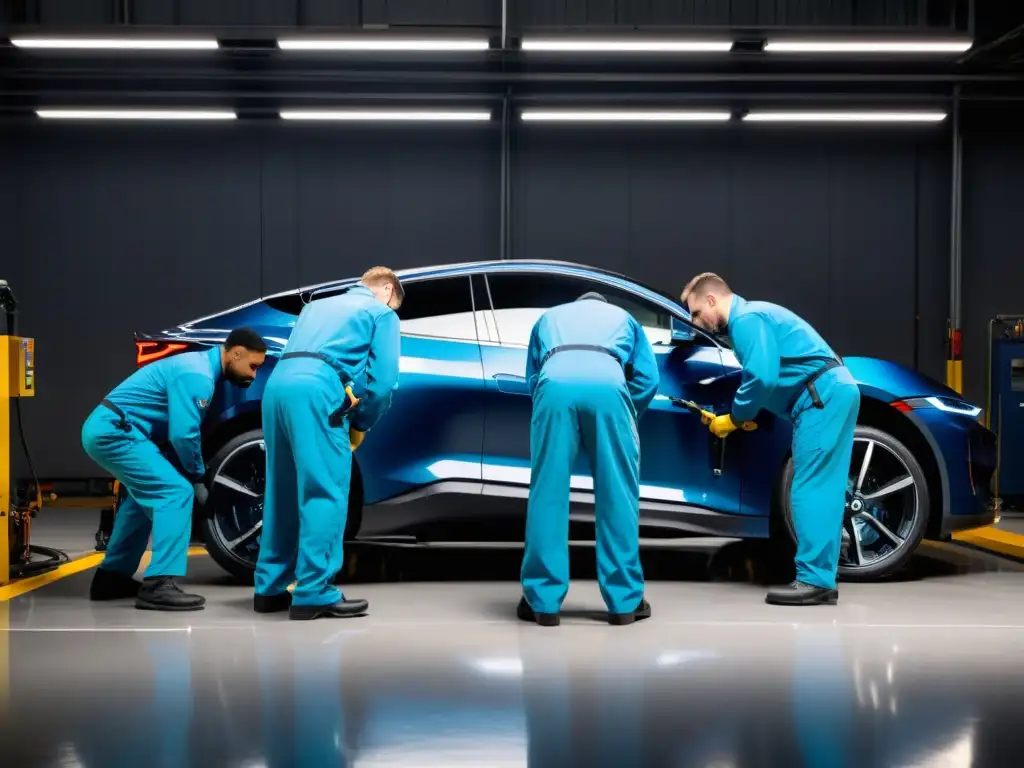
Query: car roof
{"x":469,"y":267}
{"x":463,"y":268}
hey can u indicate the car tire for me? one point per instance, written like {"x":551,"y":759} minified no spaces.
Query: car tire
{"x":911,"y":531}
{"x":223,"y":519}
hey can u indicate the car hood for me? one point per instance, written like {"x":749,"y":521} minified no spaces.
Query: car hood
{"x":893,"y":381}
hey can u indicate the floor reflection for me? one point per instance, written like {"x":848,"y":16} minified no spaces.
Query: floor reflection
{"x":271,"y":697}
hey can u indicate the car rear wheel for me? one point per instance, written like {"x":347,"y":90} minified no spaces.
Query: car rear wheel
{"x":886,"y":511}
{"x":232,"y":528}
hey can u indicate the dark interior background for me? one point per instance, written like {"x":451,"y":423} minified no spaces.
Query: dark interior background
{"x":116,"y":229}
{"x":108,"y":229}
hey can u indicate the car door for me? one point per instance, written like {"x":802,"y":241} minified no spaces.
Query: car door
{"x":679,"y":458}
{"x":434,"y":430}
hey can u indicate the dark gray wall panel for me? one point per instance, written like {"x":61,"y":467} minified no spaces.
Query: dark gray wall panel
{"x":934,"y":195}
{"x":779,"y":250}
{"x":397,"y":197}
{"x":993,"y":269}
{"x":124,"y":230}
{"x":872,"y":200}
{"x":836,"y":227}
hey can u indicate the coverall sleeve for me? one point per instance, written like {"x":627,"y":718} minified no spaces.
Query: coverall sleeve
{"x":187,"y":398}
{"x":381,"y":372}
{"x":643,"y":384}
{"x":533,"y":358}
{"x":757,"y":351}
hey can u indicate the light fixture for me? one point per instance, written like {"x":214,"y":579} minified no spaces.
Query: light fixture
{"x":115,"y":43}
{"x":379,"y":44}
{"x":845,"y":117}
{"x":867,"y":46}
{"x":135,"y":114}
{"x":629,"y":46}
{"x":624,"y":116}
{"x":402,"y":115}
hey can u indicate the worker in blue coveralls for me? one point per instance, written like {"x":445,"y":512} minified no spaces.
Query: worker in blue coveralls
{"x":162,"y":404}
{"x":333,"y":384}
{"x":592,"y":374}
{"x":790,"y":371}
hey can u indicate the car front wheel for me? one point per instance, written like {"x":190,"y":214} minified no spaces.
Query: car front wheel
{"x":886,"y":510}
{"x":234,"y":522}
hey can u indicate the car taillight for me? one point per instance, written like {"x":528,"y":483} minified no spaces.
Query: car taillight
{"x":149,"y":351}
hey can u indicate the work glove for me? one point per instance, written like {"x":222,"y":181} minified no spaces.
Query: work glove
{"x":722,"y":426}
{"x":355,"y":438}
{"x":202,"y":495}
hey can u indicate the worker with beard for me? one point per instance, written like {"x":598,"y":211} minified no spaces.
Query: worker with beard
{"x":592,"y":374}
{"x":790,"y":371}
{"x":162,"y":404}
{"x":334,"y":383}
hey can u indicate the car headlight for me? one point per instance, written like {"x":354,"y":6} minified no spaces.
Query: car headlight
{"x":947,"y":404}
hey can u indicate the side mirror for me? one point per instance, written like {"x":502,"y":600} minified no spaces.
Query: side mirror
{"x":681,"y":332}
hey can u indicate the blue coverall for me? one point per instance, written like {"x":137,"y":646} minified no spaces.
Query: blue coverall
{"x":163,"y":402}
{"x":583,"y":399}
{"x":309,"y":461}
{"x":778,"y":351}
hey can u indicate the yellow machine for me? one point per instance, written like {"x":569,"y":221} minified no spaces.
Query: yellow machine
{"x":17,"y":380}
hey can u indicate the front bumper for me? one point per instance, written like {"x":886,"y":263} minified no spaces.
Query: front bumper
{"x":965,"y":452}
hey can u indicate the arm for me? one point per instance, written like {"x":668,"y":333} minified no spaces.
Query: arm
{"x":756,"y":349}
{"x":533,"y":358}
{"x":643,"y":385}
{"x":381,"y":372}
{"x":185,"y":419}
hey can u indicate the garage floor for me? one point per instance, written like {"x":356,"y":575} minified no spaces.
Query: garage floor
{"x":924,"y":671}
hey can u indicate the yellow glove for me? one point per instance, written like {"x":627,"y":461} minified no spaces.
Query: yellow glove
{"x":722,"y":426}
{"x":706,"y":417}
{"x":355,"y":438}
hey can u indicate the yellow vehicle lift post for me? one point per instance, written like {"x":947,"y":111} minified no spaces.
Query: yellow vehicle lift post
{"x":17,"y":380}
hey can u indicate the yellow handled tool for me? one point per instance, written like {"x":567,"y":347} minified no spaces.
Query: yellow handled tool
{"x":707,"y":416}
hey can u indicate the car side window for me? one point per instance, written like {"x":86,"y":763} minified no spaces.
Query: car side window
{"x":520,"y":299}
{"x":441,"y":308}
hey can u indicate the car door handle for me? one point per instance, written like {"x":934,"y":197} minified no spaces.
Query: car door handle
{"x":511,"y":384}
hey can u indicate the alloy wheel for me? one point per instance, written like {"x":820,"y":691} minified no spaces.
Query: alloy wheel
{"x":882,"y":505}
{"x":236,"y":496}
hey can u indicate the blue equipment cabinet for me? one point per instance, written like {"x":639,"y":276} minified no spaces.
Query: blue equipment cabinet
{"x":1005,"y":412}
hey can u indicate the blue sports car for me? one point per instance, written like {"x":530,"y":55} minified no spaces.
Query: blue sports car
{"x":451,"y":460}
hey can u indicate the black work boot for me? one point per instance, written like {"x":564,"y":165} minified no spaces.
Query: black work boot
{"x":111,"y":585}
{"x":161,"y":593}
{"x":799,"y":593}
{"x":272,"y":603}
{"x":343,"y":609}
{"x":526,"y":613}
{"x":642,"y":611}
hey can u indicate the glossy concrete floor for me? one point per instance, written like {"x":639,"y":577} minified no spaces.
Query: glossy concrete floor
{"x":922,"y":671}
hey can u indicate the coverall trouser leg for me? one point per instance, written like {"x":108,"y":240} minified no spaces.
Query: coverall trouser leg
{"x":299,"y":407}
{"x":610,"y":439}
{"x":822,"y":448}
{"x":279,"y":536}
{"x":554,"y":443}
{"x":599,"y":418}
{"x":159,"y":499}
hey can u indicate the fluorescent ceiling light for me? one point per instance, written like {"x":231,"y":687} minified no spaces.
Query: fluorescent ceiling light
{"x":845,"y":117}
{"x":377,"y":44}
{"x":624,"y":116}
{"x":629,"y":46}
{"x":867,"y":46}
{"x":135,"y":114}
{"x":357,"y":115}
{"x":83,"y":43}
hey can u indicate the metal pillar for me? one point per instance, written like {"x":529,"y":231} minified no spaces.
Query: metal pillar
{"x":954,"y":362}
{"x":506,"y":175}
